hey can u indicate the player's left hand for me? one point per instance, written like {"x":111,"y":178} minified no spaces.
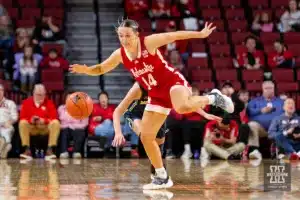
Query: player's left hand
{"x":119,"y":140}
{"x":207,"y":30}
{"x":212,"y":117}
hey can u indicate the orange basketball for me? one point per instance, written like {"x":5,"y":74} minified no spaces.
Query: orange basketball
{"x":79,"y":105}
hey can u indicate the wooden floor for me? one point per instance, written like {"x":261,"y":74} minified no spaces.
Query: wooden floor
{"x":123,"y":179}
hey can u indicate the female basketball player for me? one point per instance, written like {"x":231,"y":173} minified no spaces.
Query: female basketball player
{"x":166,"y":87}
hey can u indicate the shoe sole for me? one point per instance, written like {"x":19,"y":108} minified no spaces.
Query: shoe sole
{"x":26,"y":157}
{"x":163,"y":186}
{"x":229,"y":109}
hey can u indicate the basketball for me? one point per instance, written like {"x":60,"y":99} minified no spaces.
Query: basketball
{"x":79,"y":105}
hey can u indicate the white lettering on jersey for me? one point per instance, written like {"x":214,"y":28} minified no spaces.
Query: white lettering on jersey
{"x":147,"y":68}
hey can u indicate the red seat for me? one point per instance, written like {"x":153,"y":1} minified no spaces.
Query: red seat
{"x":284,"y":87}
{"x":231,"y":3}
{"x":235,"y":14}
{"x":211,"y":13}
{"x":237,"y":26}
{"x":294,"y":48}
{"x":13,"y":13}
{"x":197,"y":63}
{"x":253,"y":75}
{"x":219,"y":25}
{"x":218,"y":38}
{"x":7,"y":3}
{"x":269,"y":48}
{"x":236,"y":84}
{"x":205,"y":86}
{"x":254,"y":86}
{"x":28,"y":3}
{"x":220,"y":50}
{"x":52,"y":75}
{"x":239,"y":38}
{"x":226,"y":75}
{"x":283,"y":75}
{"x":197,"y":48}
{"x":279,"y":4}
{"x":54,"y":12}
{"x":269,"y":38}
{"x":53,"y":3}
{"x":208,"y":3}
{"x":161,"y":25}
{"x":222,"y":63}
{"x":27,"y":23}
{"x":259,"y":4}
{"x":298,"y":75}
{"x":292,"y":38}
{"x":145,"y":25}
{"x":46,"y":47}
{"x":201,"y":75}
{"x":6,"y":84}
{"x":278,"y":13}
{"x":31,"y":13}
{"x":54,"y":86}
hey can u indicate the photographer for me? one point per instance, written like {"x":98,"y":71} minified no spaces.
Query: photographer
{"x":221,"y":138}
{"x":285,"y":129}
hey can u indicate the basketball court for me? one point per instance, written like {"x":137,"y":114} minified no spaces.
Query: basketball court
{"x":99,"y":179}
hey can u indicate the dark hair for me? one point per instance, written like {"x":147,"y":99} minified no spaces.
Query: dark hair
{"x":103,"y":93}
{"x":242,"y":91}
{"x":129,"y":23}
{"x":250,"y":37}
{"x":52,"y":50}
{"x":226,"y":119}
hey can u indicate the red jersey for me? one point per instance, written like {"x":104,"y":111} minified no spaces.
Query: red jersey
{"x":275,"y":59}
{"x":154,"y":74}
{"x":212,"y":128}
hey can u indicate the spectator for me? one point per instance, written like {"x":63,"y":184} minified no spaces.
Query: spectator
{"x":220,"y":139}
{"x":290,"y":18}
{"x":192,"y":128}
{"x":249,"y":57}
{"x":281,"y":56}
{"x":6,"y":33}
{"x":8,"y":116}
{"x":243,"y":96}
{"x":22,"y":40}
{"x":183,"y":8}
{"x":285,"y":130}
{"x":180,"y":45}
{"x":71,"y":128}
{"x":175,"y":60}
{"x":174,"y":125}
{"x":46,"y":31}
{"x":38,"y":116}
{"x":136,"y":8}
{"x":261,"y":111}
{"x":53,"y":60}
{"x":160,"y":8}
{"x":101,"y":119}
{"x":262,"y":23}
{"x":28,"y":67}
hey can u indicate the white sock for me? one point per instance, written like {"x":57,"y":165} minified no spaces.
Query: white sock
{"x":187,"y":148}
{"x":161,"y":172}
{"x":211,"y":99}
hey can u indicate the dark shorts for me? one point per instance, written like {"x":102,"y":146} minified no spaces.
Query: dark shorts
{"x":130,"y":117}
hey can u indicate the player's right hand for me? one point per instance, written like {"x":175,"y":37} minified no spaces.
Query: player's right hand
{"x":79,"y":69}
{"x":119,"y":140}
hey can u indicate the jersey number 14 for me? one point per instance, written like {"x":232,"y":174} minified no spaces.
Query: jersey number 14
{"x":150,"y":82}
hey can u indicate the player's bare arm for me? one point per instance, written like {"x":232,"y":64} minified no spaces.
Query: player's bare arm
{"x":109,"y":64}
{"x":155,"y":41}
{"x":133,"y":94}
{"x":208,"y":116}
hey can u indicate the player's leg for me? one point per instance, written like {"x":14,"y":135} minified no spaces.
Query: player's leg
{"x":184,"y":102}
{"x":151,"y":124}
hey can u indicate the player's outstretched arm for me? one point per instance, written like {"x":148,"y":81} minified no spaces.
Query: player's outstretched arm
{"x":107,"y":65}
{"x":155,"y":41}
{"x":208,"y":116}
{"x":134,"y":93}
